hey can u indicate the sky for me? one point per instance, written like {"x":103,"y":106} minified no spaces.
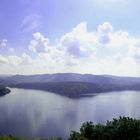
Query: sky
{"x":78,"y":36}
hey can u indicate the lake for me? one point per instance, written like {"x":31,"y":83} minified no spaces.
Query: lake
{"x":39,"y":113}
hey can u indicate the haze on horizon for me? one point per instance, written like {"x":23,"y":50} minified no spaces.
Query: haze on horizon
{"x":82,"y":36}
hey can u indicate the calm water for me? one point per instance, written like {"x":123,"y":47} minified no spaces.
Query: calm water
{"x":38,"y":113}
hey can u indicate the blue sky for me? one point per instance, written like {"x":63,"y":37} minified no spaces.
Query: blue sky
{"x":20,"y":20}
{"x":59,"y":17}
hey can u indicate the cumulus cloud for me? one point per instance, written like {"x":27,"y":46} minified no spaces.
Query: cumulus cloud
{"x":104,"y":32}
{"x":105,"y":28}
{"x":103,"y":51}
{"x":39,"y":43}
{"x":79,"y":43}
{"x":3,"y":60}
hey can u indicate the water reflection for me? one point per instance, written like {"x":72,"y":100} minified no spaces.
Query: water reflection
{"x":38,"y":113}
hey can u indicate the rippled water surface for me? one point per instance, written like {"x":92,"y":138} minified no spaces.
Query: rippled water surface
{"x":39,"y":113}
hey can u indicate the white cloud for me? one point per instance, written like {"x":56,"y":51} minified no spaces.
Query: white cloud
{"x":105,"y":28}
{"x":14,"y":60}
{"x":12,"y":50}
{"x":104,"y":32}
{"x":3,"y":60}
{"x":104,"y":51}
{"x":79,"y":43}
{"x":31,"y":23}
{"x":39,"y":43}
{"x":3,"y":43}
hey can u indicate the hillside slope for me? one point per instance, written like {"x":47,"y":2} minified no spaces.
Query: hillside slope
{"x":75,"y":89}
{"x":72,"y":84}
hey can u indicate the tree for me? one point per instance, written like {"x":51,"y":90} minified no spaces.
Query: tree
{"x":124,"y":128}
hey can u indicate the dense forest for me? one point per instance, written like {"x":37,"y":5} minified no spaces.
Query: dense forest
{"x":124,"y":128}
{"x":75,"y":89}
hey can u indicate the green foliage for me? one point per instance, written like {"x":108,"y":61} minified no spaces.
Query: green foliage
{"x":124,"y":128}
{"x":9,"y":137}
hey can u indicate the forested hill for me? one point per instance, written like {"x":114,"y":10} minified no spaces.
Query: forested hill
{"x":4,"y":91}
{"x":72,"y":84}
{"x":76,"y":89}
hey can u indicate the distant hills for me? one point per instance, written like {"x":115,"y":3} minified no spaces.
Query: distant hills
{"x":72,"y":84}
{"x":69,"y":77}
